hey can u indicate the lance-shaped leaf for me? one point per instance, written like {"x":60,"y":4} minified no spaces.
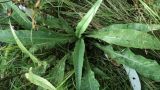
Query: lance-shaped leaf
{"x":39,"y":38}
{"x":146,"y":67}
{"x":89,"y":81}
{"x":23,"y":49}
{"x":39,"y":81}
{"x":135,"y":26}
{"x":58,"y":72}
{"x":83,"y":24}
{"x":78,"y":57}
{"x":127,"y":38}
{"x":18,"y":15}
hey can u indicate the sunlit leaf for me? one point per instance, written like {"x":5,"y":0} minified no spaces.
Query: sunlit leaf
{"x":127,"y":38}
{"x":39,"y":81}
{"x":78,"y":57}
{"x":83,"y":24}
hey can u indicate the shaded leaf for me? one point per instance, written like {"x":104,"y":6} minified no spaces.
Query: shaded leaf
{"x":57,"y":23}
{"x":69,"y":74}
{"x":89,"y":82}
{"x":127,"y":38}
{"x":83,"y":24}
{"x":78,"y":57}
{"x":18,"y":15}
{"x":146,"y":67}
{"x":135,"y":26}
{"x":100,"y":73}
{"x":39,"y":38}
{"x":39,"y":81}
{"x":57,"y":73}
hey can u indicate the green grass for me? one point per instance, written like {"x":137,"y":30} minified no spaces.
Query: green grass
{"x":61,"y":44}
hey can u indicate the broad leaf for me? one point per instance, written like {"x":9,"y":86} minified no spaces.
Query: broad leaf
{"x":83,"y":24}
{"x":39,"y":38}
{"x":127,"y":38}
{"x":39,"y":81}
{"x":146,"y":67}
{"x":89,"y":82}
{"x":18,"y":15}
{"x":135,"y":26}
{"x":78,"y":57}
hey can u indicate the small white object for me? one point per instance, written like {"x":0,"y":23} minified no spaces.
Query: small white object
{"x":28,"y":11}
{"x":133,"y":77}
{"x":23,"y":8}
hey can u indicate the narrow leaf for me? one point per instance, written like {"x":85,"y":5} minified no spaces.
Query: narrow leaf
{"x":83,"y":24}
{"x":127,"y":38}
{"x":89,"y":82}
{"x":78,"y":57}
{"x":21,"y":46}
{"x":146,"y":67}
{"x":39,"y":81}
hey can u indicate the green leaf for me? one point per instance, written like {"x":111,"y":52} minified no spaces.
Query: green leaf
{"x":89,"y":82}
{"x":39,"y":81}
{"x":57,"y":23}
{"x":135,"y":26}
{"x":83,"y":24}
{"x":23,"y":49}
{"x":39,"y":38}
{"x":78,"y":58}
{"x":57,"y":73}
{"x":127,"y":38}
{"x":68,"y":75}
{"x":18,"y":15}
{"x":146,"y":67}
